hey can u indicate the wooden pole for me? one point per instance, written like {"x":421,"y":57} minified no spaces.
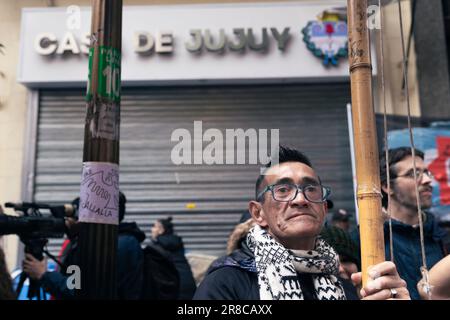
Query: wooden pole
{"x":364,"y":132}
{"x":99,"y":192}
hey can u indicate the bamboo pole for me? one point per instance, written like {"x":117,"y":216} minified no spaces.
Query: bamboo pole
{"x":364,"y":132}
{"x":99,"y":192}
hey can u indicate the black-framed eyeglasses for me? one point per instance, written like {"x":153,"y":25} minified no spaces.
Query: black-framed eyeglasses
{"x":284,"y":192}
{"x":420,"y":173}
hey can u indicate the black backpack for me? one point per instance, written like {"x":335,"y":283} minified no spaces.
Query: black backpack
{"x":161,"y":278}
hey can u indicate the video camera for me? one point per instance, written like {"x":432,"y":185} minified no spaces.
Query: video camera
{"x":34,"y":229}
{"x":61,"y":211}
{"x":33,"y":224}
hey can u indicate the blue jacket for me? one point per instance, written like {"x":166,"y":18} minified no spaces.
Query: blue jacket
{"x":407,"y":248}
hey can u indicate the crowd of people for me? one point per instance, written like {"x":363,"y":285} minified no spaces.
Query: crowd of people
{"x":290,"y":244}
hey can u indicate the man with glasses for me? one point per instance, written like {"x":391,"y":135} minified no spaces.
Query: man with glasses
{"x":284,"y":257}
{"x":402,"y":205}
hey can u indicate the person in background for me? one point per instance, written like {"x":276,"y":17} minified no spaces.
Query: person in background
{"x":341,"y":219}
{"x":445,"y":225}
{"x":163,"y":236}
{"x":6,"y":285}
{"x":239,"y":233}
{"x":346,"y":248}
{"x":402,"y":204}
{"x":130,"y":256}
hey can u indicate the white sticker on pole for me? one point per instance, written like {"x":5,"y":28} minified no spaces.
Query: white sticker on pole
{"x":99,"y":196}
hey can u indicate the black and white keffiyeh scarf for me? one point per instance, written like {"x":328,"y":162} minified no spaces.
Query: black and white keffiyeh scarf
{"x":277,"y":268}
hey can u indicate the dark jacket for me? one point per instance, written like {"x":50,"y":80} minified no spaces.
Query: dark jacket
{"x":174,"y":245}
{"x":55,"y":282}
{"x":235,"y":277}
{"x":407,"y":248}
{"x":130,"y":261}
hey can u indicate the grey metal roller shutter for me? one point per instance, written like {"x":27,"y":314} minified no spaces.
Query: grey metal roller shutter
{"x":310,"y":117}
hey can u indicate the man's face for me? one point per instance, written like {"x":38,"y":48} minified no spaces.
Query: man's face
{"x":290,"y":221}
{"x":403,"y":188}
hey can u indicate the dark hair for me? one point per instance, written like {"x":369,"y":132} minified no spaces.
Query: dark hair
{"x":341,"y":241}
{"x":394,"y":156}
{"x":122,"y":201}
{"x":6,"y":287}
{"x":285,"y":154}
{"x":76,"y":202}
{"x":167,"y":225}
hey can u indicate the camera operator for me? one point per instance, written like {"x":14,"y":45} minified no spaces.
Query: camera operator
{"x":34,"y":267}
{"x":130,"y":260}
{"x":55,"y":282}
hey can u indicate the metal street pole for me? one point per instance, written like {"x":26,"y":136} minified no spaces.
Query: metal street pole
{"x":99,"y":191}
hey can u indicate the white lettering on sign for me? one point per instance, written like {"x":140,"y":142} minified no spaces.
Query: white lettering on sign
{"x":68,"y":44}
{"x":145,"y":43}
{"x":47,"y":44}
{"x":85,"y":43}
{"x":99,"y":194}
{"x":165,"y":42}
{"x":219,"y":41}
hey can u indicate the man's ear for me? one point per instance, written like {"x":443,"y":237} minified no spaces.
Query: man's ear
{"x":385,"y":189}
{"x":256,"y":210}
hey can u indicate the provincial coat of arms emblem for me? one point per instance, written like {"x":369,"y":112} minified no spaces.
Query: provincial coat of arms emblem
{"x":327,"y":38}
